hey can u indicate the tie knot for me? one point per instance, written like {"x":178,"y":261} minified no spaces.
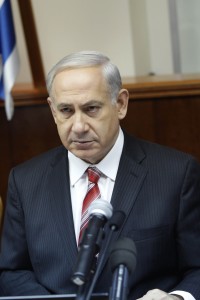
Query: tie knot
{"x":93,"y":175}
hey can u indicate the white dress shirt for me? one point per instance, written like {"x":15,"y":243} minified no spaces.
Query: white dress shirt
{"x":79,"y":180}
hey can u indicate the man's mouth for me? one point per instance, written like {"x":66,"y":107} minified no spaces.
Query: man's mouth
{"x":81,"y":142}
{"x":83,"y":145}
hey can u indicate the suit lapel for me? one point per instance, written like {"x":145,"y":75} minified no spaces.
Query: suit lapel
{"x":130,"y":177}
{"x":60,"y":201}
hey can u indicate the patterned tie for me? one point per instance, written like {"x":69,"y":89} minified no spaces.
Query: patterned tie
{"x":93,"y":193}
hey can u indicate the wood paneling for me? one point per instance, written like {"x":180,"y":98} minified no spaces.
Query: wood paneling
{"x":30,"y":132}
{"x":174,"y":122}
{"x":165,"y":110}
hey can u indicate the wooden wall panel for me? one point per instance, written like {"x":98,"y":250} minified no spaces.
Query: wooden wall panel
{"x":31,"y":132}
{"x":5,"y":153}
{"x":34,"y":129}
{"x":166,"y":110}
{"x":140,"y":119}
{"x":173,"y":122}
{"x":178,"y":124}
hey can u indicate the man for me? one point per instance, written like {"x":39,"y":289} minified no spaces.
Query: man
{"x":158,"y":189}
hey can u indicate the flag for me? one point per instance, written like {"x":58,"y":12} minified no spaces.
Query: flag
{"x":9,"y":59}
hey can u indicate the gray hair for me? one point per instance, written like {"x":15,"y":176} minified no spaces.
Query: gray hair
{"x":88,"y":59}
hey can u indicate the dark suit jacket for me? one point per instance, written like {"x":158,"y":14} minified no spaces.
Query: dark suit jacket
{"x":159,"y":190}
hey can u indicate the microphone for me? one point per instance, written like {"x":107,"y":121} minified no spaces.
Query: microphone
{"x":117,"y":220}
{"x":99,"y":211}
{"x":123,"y":262}
{"x":115,"y":223}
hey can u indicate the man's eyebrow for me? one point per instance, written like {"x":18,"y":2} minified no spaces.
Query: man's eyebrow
{"x":61,"y":105}
{"x":88,"y":103}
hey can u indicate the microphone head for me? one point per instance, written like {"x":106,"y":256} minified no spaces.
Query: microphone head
{"x":117,"y":220}
{"x":101,"y":207}
{"x":123,"y":252}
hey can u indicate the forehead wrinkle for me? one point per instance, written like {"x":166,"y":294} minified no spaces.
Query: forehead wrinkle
{"x":77,"y":81}
{"x":71,"y":96}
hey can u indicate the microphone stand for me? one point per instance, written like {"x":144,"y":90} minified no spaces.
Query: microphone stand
{"x":83,"y":289}
{"x":113,"y":228}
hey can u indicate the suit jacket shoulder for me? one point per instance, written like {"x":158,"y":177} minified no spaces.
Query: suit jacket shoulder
{"x":41,"y":161}
{"x":33,"y":172}
{"x":151,"y":153}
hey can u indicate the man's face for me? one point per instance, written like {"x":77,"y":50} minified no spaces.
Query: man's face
{"x":86,"y":119}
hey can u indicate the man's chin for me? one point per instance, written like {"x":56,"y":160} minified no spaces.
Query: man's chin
{"x":86,"y":156}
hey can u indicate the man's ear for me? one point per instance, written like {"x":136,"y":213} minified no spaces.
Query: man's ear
{"x":122,"y":103}
{"x":51,"y":104}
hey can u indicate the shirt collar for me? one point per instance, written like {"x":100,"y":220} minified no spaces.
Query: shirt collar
{"x":108,"y":165}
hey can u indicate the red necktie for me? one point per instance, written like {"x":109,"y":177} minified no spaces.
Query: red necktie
{"x":93,"y":193}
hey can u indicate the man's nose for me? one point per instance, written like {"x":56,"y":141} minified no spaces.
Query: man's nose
{"x":79,"y":123}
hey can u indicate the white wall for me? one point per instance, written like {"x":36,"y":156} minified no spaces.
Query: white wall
{"x":159,"y":36}
{"x":135,"y":34}
{"x":189,"y":34}
{"x":141,"y":40}
{"x":65,"y":26}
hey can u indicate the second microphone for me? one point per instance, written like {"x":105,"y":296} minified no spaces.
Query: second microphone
{"x":100,"y":211}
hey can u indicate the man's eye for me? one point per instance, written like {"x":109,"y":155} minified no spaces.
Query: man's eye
{"x":65,"y":110}
{"x":93,"y":109}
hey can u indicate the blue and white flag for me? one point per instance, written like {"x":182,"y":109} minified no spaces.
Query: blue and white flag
{"x":9,"y":59}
